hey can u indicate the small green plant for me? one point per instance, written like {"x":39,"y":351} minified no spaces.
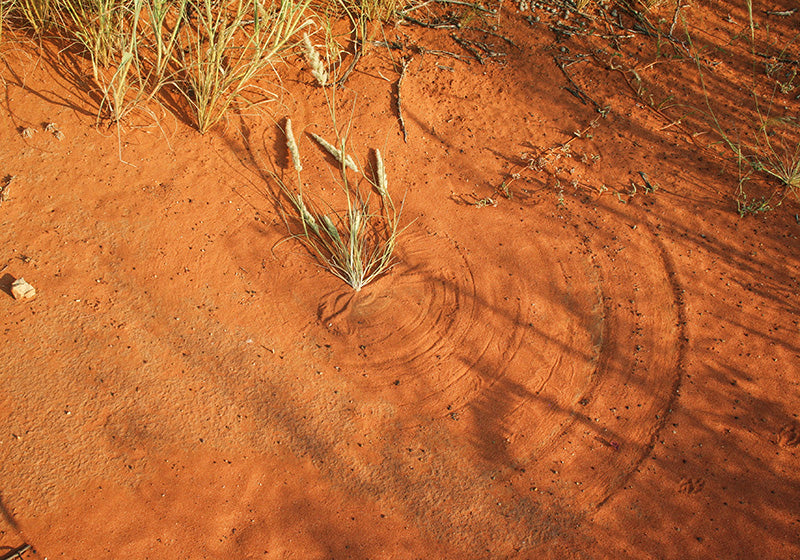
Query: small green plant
{"x":357,"y":242}
{"x":776,"y":156}
{"x":745,"y":206}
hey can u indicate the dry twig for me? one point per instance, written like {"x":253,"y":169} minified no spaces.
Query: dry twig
{"x":406,"y":62}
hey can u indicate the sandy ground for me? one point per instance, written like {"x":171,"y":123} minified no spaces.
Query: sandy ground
{"x":577,"y":371}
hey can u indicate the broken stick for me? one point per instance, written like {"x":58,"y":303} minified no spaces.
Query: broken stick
{"x":406,"y":62}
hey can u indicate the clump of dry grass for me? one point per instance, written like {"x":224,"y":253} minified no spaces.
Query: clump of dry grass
{"x":211,"y":51}
{"x":355,"y":243}
{"x":130,"y":44}
{"x":229,"y":48}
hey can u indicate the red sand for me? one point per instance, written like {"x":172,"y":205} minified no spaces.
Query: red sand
{"x":590,"y":374}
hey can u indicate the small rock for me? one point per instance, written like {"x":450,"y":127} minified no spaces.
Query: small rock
{"x":20,"y":289}
{"x":53,"y":129}
{"x":5,"y":190}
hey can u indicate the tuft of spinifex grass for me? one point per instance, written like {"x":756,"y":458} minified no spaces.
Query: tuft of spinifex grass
{"x":122,"y":83}
{"x":781,"y":162}
{"x":229,"y":46}
{"x":355,"y":243}
{"x":128,"y":57}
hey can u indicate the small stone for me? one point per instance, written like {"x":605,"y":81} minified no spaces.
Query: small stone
{"x":53,"y":129}
{"x":5,"y":190}
{"x":20,"y":289}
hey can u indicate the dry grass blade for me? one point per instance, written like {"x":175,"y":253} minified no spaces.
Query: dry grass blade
{"x":37,"y":13}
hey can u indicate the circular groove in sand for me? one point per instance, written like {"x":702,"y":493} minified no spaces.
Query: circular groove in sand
{"x":608,"y":427}
{"x":432,"y":328}
{"x":506,"y":368}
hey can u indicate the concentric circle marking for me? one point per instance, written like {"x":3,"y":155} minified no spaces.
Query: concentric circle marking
{"x":545,"y":357}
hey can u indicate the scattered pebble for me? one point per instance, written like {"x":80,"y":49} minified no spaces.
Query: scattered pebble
{"x":20,"y":289}
{"x":5,"y":190}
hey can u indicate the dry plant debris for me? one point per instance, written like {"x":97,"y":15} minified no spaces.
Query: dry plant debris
{"x":53,"y":129}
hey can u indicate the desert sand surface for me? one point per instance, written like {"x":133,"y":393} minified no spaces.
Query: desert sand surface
{"x":581,"y":351}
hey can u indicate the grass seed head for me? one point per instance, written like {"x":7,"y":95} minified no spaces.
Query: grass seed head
{"x":382,"y":182}
{"x":307,"y":217}
{"x":335,"y":152}
{"x":314,"y":61}
{"x":330,"y":227}
{"x":292,"y":146}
